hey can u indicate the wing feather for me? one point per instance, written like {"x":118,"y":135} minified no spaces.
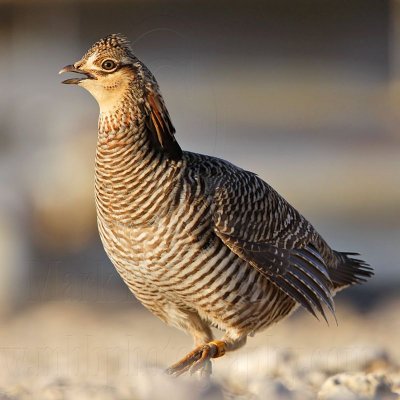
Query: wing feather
{"x":263,"y":229}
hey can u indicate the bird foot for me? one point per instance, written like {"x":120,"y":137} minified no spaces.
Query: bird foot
{"x":199,"y":359}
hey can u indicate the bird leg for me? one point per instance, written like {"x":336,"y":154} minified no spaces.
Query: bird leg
{"x":199,"y":359}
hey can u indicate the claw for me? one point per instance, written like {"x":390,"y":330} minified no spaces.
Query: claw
{"x":199,"y":359}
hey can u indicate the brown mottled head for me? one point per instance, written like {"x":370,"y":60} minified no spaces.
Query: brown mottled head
{"x":113,"y":75}
{"x":114,"y":46}
{"x":107,"y":68}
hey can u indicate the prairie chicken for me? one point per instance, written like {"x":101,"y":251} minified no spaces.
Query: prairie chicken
{"x":200,"y":242}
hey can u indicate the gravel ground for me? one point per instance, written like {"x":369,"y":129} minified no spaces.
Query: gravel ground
{"x":64,"y":350}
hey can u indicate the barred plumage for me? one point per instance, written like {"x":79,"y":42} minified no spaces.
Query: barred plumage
{"x":199,"y":241}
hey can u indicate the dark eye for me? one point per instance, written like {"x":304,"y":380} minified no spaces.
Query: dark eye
{"x":108,"y":65}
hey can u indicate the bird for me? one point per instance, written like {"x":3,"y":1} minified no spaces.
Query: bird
{"x":200,"y":242}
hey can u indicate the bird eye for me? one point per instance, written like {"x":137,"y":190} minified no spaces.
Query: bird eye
{"x":108,"y":65}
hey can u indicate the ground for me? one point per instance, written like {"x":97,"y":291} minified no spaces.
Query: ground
{"x":81,"y":350}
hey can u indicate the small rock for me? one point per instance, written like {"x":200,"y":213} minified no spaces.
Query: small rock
{"x":357,"y":386}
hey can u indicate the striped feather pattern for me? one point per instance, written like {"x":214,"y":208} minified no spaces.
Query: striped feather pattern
{"x":199,"y":241}
{"x":154,"y":218}
{"x":183,"y":239}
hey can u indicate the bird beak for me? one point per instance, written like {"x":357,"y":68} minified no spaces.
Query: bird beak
{"x":75,"y":81}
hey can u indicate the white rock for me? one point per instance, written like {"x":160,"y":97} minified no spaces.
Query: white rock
{"x":357,"y":386}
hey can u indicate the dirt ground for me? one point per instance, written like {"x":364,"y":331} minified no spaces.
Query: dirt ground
{"x":78,"y":350}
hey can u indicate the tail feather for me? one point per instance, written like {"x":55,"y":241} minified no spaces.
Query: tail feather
{"x":349,"y":271}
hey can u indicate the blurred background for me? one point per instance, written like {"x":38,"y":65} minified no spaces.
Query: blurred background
{"x":304,"y":93}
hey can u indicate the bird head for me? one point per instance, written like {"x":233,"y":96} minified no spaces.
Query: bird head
{"x":112,"y":74}
{"x":107,"y":70}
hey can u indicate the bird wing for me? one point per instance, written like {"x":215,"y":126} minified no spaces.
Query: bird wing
{"x":257,"y":224}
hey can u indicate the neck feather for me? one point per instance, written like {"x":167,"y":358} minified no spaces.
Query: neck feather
{"x":123,"y":124}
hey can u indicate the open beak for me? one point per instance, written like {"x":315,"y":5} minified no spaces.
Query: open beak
{"x":75,"y":81}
